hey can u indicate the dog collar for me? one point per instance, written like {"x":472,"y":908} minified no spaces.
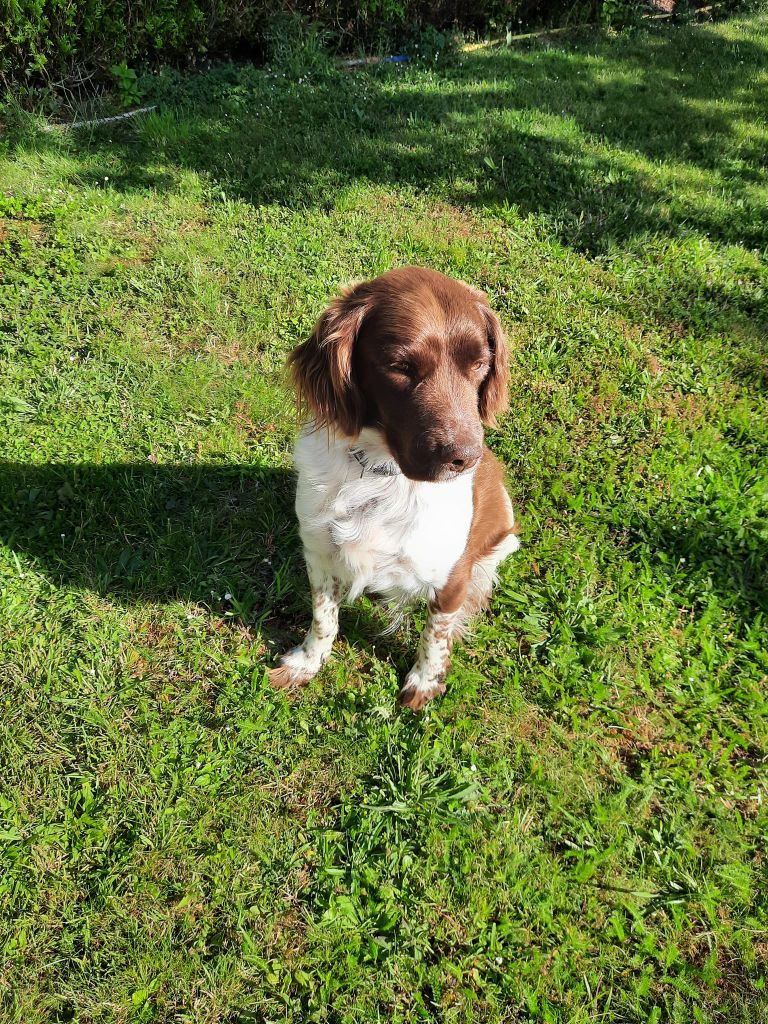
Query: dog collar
{"x":388,"y":467}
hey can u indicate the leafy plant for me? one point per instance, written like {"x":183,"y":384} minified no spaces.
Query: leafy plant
{"x":49,"y":40}
{"x":296,"y":47}
{"x":126,"y":84}
{"x":619,"y":13}
{"x":429,"y":45}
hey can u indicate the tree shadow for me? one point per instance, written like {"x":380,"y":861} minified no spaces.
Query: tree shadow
{"x":527,"y":127}
{"x":614,"y":144}
{"x":674,"y":96}
{"x":572,"y":134}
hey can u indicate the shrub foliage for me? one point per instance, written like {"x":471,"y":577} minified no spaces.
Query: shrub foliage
{"x":54,"y":39}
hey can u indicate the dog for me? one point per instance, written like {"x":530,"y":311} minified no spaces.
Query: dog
{"x":397,"y":493}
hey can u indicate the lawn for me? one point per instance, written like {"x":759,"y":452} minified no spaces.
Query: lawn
{"x":577,"y":831}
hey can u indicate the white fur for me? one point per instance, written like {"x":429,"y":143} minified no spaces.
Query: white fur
{"x":307,"y":659}
{"x":366,"y":526}
{"x":426,"y":676}
{"x":372,"y":531}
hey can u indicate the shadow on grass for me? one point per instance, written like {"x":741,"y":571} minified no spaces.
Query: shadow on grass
{"x":707,"y":556}
{"x":140,"y":532}
{"x":612,"y":144}
{"x":552,"y":131}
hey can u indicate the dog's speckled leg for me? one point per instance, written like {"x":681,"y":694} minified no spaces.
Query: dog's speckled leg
{"x":303,"y":662}
{"x":425,"y":680}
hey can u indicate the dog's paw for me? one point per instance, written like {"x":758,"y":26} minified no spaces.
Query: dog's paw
{"x":295,"y":669}
{"x":283,"y":677}
{"x":416,"y":692}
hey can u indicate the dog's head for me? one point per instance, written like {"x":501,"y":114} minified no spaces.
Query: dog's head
{"x":415,"y":354}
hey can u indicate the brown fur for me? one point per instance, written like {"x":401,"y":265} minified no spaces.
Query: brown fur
{"x":417,"y":698}
{"x":491,"y":523}
{"x":416,"y":354}
{"x":322,"y":365}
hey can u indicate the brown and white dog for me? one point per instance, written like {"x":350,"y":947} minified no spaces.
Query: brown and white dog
{"x":397,"y":493}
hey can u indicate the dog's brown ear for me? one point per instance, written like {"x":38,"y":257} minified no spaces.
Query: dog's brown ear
{"x":322,"y":366}
{"x":493,"y":394}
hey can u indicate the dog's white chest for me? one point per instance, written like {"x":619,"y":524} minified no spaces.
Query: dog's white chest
{"x":437,"y":535}
{"x":375,"y":531}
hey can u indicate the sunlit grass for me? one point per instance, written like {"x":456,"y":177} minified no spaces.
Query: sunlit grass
{"x":576,"y":832}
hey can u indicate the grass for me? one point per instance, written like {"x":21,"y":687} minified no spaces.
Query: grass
{"x":577,"y":831}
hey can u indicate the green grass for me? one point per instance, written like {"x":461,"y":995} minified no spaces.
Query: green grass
{"x":577,"y":831}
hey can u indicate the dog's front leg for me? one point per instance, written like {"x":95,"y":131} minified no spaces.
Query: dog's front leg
{"x":425,"y":680}
{"x":303,"y":662}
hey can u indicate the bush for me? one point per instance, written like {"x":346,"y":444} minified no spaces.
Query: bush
{"x":45,"y":40}
{"x":50,"y":38}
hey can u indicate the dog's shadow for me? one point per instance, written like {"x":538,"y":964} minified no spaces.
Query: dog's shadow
{"x":220,"y":536}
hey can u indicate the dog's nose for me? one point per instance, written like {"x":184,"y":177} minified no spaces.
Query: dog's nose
{"x":458,"y":460}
